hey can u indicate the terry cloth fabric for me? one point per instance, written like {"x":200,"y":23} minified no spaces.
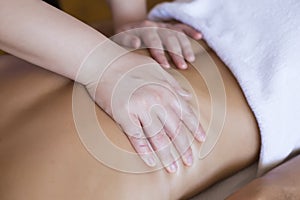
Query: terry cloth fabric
{"x":259,"y":40}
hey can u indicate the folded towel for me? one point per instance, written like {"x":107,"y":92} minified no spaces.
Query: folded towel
{"x":259,"y":40}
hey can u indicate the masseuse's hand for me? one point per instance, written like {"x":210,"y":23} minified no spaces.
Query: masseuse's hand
{"x":151,"y":108}
{"x":156,"y":36}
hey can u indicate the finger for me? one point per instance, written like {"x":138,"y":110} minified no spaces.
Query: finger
{"x":133,"y":129}
{"x":178,"y":135}
{"x":159,"y":141}
{"x":160,"y":57}
{"x":190,"y":31}
{"x":162,"y":146}
{"x":178,"y":60}
{"x":188,"y":117}
{"x":152,"y":41}
{"x":127,"y":40}
{"x":142,"y":147}
{"x":173,"y":47}
{"x":186,"y":47}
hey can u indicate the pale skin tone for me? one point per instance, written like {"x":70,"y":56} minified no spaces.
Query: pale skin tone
{"x":280,"y":183}
{"x":43,"y":157}
{"x":47,"y":37}
{"x":129,"y":16}
{"x":34,"y":177}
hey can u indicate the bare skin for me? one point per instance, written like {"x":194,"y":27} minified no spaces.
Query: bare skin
{"x":62,"y":44}
{"x":42,"y":156}
{"x":130,"y":23}
{"x":280,"y":183}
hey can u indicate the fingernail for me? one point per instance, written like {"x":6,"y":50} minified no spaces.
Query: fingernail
{"x":183,"y":66}
{"x":150,"y":161}
{"x":167,"y":66}
{"x":198,"y":36}
{"x":172,"y":168}
{"x":191,"y":58}
{"x":189,"y":160}
{"x":201,"y":136}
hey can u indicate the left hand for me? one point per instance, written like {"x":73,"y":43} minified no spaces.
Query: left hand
{"x":157,"y":35}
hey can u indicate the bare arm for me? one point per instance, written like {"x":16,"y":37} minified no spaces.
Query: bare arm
{"x":47,"y":37}
{"x":34,"y":31}
{"x":41,"y":156}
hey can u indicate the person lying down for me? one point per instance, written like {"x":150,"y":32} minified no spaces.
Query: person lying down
{"x":62,"y":150}
{"x":258,"y":40}
{"x":43,"y":157}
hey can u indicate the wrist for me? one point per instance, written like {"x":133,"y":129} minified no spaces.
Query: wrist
{"x":97,"y":61}
{"x":103,"y":88}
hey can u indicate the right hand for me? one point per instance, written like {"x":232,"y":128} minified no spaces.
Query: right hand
{"x":151,"y":108}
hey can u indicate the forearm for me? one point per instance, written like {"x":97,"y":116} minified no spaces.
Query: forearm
{"x":125,"y":12}
{"x":56,"y":165}
{"x":45,"y":36}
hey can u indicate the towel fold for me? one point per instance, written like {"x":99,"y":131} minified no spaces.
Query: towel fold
{"x":259,"y":40}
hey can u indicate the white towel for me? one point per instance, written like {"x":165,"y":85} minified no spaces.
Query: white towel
{"x":259,"y":40}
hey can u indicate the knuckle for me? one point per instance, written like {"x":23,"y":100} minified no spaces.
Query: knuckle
{"x":132,"y":129}
{"x":148,"y":23}
{"x":165,"y":32}
{"x":140,"y":101}
{"x":184,"y":40}
{"x":190,"y":118}
{"x":159,"y":141}
{"x":146,"y":101}
{"x":155,"y":43}
{"x":152,"y":35}
{"x":140,"y":144}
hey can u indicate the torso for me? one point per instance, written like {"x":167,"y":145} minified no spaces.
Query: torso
{"x":42,"y":156}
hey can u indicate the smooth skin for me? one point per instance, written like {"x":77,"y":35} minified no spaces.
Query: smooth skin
{"x":42,"y":156}
{"x":134,"y":30}
{"x":49,"y":38}
{"x":283,"y":182}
